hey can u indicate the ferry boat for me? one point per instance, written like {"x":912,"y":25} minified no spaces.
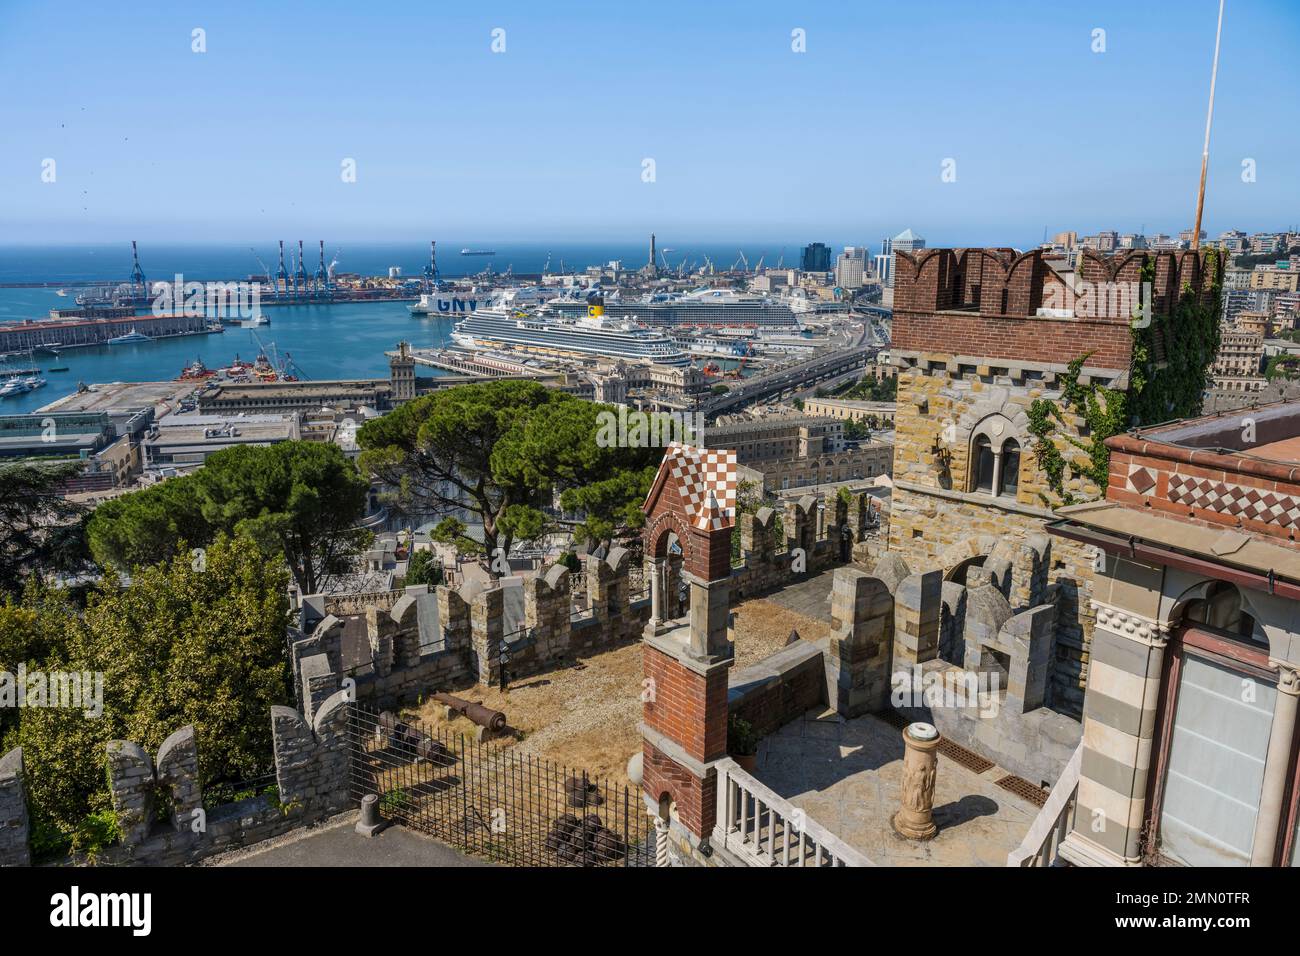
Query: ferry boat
{"x":130,"y":338}
{"x":592,"y":335}
{"x":443,"y":301}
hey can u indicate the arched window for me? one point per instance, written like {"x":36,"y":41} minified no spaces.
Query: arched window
{"x":1010,"y":471}
{"x":983,"y":461}
{"x":1221,"y":609}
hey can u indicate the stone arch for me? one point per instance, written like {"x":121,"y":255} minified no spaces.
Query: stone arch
{"x":657,"y":533}
{"x":1174,"y":614}
{"x":980,"y":546}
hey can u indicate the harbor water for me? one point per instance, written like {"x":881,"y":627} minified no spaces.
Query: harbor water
{"x":322,"y":341}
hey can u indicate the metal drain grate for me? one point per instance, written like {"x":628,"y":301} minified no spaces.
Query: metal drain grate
{"x":1023,"y":788}
{"x":950,"y":749}
{"x":893,"y":718}
{"x":967,"y":758}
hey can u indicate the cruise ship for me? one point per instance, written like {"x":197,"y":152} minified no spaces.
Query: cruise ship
{"x":593,"y":334}
{"x":713,"y":308}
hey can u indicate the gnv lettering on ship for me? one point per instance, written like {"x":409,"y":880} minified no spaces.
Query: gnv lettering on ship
{"x":457,"y":305}
{"x":74,"y":908}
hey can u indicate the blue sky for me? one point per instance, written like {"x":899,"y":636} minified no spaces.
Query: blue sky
{"x":546,"y":141}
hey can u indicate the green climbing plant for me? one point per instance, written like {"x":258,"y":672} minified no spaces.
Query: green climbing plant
{"x":1169,"y":372}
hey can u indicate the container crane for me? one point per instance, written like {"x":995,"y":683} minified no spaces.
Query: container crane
{"x":266,"y":270}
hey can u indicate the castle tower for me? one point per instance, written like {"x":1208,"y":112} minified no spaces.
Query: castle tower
{"x":979,"y":337}
{"x":684,"y":711}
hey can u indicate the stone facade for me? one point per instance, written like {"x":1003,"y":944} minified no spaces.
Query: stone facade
{"x":978,"y":336}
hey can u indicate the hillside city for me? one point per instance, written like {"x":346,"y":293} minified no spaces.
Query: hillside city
{"x":614,"y":545}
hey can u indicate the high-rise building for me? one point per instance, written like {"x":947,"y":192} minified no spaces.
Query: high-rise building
{"x":907,"y":241}
{"x":885,"y":263}
{"x":851,"y":267}
{"x":816,"y":257}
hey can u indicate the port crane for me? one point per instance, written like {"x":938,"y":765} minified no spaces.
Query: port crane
{"x":738,"y":262}
{"x":266,"y":270}
{"x":759,"y":267}
{"x":546,"y":267}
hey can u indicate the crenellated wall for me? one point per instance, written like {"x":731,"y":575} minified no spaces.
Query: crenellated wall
{"x":158,"y":800}
{"x":473,"y":643}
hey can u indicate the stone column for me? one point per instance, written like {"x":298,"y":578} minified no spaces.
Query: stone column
{"x":915,"y":819}
{"x":1276,"y":764}
{"x":1119,"y":725}
{"x":657,"y":584}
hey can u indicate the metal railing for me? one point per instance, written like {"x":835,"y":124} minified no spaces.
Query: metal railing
{"x":492,"y":802}
{"x":1041,"y":845}
{"x":761,"y":828}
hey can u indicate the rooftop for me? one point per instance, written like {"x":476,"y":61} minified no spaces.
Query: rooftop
{"x":121,"y":396}
{"x":847,"y":775}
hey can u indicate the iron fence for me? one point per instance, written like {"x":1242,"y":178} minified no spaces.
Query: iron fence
{"x":488,"y":801}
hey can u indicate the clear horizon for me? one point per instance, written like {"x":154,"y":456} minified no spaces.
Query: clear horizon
{"x":546,"y":141}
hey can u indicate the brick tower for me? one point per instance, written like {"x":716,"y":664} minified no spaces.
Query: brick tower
{"x":979,"y":335}
{"x":684,"y":713}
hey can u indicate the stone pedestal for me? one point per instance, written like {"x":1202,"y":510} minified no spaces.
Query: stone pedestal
{"x":915,"y":819}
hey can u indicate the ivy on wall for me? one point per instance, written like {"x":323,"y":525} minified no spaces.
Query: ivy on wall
{"x":1169,"y":372}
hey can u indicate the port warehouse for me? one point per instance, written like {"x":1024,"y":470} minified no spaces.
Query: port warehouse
{"x":68,"y":333}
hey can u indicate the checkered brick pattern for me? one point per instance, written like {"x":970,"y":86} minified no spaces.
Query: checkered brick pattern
{"x":1252,"y":504}
{"x":707,"y":480}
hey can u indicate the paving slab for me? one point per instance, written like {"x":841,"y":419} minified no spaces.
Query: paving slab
{"x":847,"y":776}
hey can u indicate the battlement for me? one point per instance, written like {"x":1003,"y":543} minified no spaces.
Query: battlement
{"x":997,"y":303}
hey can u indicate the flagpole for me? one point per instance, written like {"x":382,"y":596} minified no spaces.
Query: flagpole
{"x":1209,"y":118}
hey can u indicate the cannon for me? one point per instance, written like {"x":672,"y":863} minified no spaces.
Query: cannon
{"x":401,"y":737}
{"x":493,"y":720}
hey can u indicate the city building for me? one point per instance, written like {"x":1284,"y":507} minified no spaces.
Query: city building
{"x":1266,"y":277}
{"x":816,"y":257}
{"x":851,"y":267}
{"x":1240,"y":361}
{"x":877,"y":414}
{"x":184,"y":442}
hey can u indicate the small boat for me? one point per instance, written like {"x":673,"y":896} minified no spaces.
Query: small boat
{"x":256,"y":322}
{"x":196,"y":370}
{"x":130,"y":338}
{"x":48,"y":348}
{"x":62,"y":293}
{"x":34,"y":382}
{"x":58,"y":368}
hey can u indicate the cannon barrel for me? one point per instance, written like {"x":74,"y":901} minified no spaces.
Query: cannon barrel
{"x":493,"y":720}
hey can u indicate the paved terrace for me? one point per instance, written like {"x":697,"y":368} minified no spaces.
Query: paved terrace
{"x":847,"y":774}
